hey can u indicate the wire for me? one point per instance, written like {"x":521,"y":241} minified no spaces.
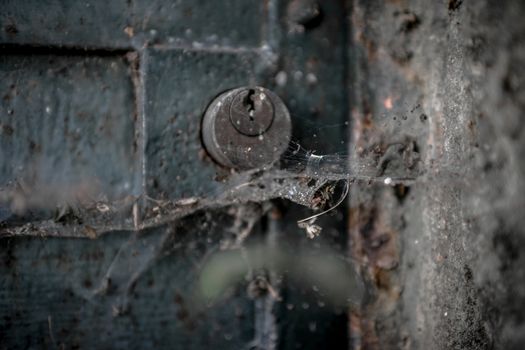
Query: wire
{"x":343,"y":196}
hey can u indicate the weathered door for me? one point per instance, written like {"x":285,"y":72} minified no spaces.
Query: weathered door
{"x":105,"y":180}
{"x":114,"y":219}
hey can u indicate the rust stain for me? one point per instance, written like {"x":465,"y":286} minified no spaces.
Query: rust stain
{"x":373,"y":241}
{"x":373,"y":244}
{"x":388,"y":103}
{"x":363,"y":332}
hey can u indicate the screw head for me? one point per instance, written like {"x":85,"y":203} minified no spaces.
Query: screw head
{"x":251,"y":112}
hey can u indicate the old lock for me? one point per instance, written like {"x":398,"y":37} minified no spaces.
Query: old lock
{"x":246,"y":128}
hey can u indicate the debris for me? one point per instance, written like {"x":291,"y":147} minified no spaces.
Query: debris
{"x":90,"y":232}
{"x":312,"y":230}
{"x":129,"y":31}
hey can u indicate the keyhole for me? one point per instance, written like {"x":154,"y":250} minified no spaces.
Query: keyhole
{"x":250,"y":103}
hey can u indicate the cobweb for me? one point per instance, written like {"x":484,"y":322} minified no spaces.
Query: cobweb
{"x":304,"y":175}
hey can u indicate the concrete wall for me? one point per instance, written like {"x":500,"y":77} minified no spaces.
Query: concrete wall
{"x":445,"y":254}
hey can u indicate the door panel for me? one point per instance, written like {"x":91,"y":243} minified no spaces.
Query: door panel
{"x":102,"y":156}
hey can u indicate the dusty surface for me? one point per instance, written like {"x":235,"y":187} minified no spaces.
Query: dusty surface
{"x":448,"y":271}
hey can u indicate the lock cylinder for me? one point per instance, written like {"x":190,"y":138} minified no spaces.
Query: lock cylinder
{"x":246,"y":128}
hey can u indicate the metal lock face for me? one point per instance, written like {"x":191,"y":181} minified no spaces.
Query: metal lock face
{"x":246,"y":128}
